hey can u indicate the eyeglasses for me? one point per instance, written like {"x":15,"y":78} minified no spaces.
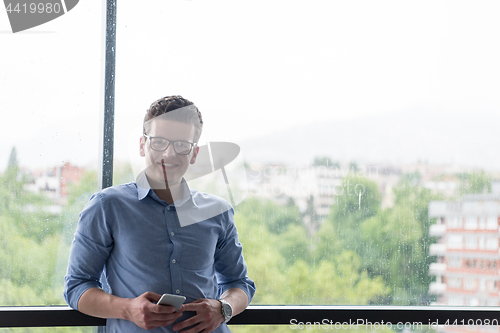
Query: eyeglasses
{"x":161,"y":144}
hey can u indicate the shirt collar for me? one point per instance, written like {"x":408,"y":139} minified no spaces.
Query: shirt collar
{"x":143,"y":190}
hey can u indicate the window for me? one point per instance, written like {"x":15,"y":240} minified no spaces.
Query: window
{"x":490,"y":285}
{"x":491,"y":223}
{"x":50,"y":101}
{"x":492,"y":243}
{"x":297,"y":86}
{"x":313,"y":203}
{"x":455,"y":300}
{"x":454,"y":283}
{"x":491,"y":303}
{"x":470,"y":263}
{"x":469,"y":283}
{"x":455,"y":222}
{"x":482,"y":284}
{"x":471,"y":223}
{"x":455,"y":242}
{"x":481,"y":243}
{"x":482,"y":223}
{"x":471,"y":242}
{"x":454,"y":262}
{"x":472,"y":301}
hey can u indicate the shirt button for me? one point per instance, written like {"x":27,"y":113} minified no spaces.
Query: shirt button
{"x":177,"y":291}
{"x":172,"y":233}
{"x":168,"y":208}
{"x":173,"y":261}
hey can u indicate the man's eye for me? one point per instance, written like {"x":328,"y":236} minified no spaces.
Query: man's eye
{"x":160,"y":141}
{"x":181,"y":144}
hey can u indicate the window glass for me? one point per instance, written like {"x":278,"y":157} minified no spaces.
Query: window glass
{"x":50,"y":97}
{"x":492,"y":243}
{"x":454,"y":283}
{"x":455,"y":222}
{"x":360,"y":125}
{"x":471,"y":223}
{"x":454,"y":262}
{"x":471,"y":242}
{"x":491,"y":223}
{"x":456,"y":242}
{"x":482,"y":222}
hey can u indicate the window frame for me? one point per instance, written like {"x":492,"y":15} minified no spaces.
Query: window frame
{"x":276,"y":315}
{"x":62,"y":316}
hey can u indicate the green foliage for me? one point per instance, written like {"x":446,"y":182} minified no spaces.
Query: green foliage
{"x":80,"y":193}
{"x":348,"y":210}
{"x":32,"y":251}
{"x":13,"y":163}
{"x":475,"y":183}
{"x":392,"y":244}
{"x":287,"y":269}
{"x":27,"y":210}
{"x":277,"y":218}
{"x":361,"y":255}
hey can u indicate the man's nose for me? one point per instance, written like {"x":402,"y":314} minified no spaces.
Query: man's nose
{"x":169,"y":151}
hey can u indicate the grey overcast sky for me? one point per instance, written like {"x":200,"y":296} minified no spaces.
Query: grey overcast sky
{"x":253,"y":67}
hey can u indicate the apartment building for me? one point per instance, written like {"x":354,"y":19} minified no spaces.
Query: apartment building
{"x":53,"y":182}
{"x":467,"y":250}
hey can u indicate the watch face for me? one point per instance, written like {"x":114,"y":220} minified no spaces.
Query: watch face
{"x":228,"y":311}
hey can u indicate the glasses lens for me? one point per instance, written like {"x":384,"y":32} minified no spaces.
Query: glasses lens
{"x":182,"y":147}
{"x":159,"y":144}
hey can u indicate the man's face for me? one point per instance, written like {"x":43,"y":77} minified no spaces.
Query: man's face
{"x":175,"y":165}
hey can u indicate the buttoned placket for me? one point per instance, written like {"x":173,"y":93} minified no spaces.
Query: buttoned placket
{"x":171,"y":222}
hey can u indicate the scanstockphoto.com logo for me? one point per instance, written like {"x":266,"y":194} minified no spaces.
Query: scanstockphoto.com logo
{"x":24,"y":15}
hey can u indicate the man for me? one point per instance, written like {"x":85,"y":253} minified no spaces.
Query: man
{"x":133,"y":234}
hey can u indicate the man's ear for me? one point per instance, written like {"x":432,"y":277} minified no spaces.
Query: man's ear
{"x":142,"y":143}
{"x":195,"y":154}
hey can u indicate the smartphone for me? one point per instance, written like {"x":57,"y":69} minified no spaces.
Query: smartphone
{"x":173,"y":300}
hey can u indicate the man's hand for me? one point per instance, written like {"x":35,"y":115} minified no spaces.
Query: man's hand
{"x":148,"y":315}
{"x":208,"y":316}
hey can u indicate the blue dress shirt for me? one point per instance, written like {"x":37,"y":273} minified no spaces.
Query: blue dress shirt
{"x":136,"y":239}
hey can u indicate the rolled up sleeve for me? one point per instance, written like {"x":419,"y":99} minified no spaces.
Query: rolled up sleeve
{"x":90,"y":249}
{"x":230,"y":265}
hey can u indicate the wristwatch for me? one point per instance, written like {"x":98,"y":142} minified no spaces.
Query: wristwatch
{"x":226,"y":309}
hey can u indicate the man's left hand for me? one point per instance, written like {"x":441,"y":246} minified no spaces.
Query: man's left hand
{"x":208,"y":316}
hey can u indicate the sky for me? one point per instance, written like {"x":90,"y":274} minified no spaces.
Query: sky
{"x":253,"y":68}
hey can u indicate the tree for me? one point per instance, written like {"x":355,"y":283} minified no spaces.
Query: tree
{"x":29,"y":245}
{"x":392,"y":244}
{"x":309,"y":217}
{"x":396,"y":245}
{"x":287,"y":270}
{"x":358,"y":200}
{"x":13,"y":163}
{"x":475,"y":183}
{"x":277,"y":218}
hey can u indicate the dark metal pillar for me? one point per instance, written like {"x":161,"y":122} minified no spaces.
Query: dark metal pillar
{"x":106,"y":172}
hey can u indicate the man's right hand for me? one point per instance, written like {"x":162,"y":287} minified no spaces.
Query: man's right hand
{"x":143,"y":311}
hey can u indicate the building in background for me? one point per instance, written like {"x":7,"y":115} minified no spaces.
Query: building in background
{"x":54,"y":182}
{"x":467,"y":250}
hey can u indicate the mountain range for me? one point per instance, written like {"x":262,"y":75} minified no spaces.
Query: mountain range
{"x":469,"y":140}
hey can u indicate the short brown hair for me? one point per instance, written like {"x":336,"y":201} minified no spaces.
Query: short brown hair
{"x":189,"y":115}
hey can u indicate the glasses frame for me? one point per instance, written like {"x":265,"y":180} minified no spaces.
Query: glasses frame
{"x":170,"y":142}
